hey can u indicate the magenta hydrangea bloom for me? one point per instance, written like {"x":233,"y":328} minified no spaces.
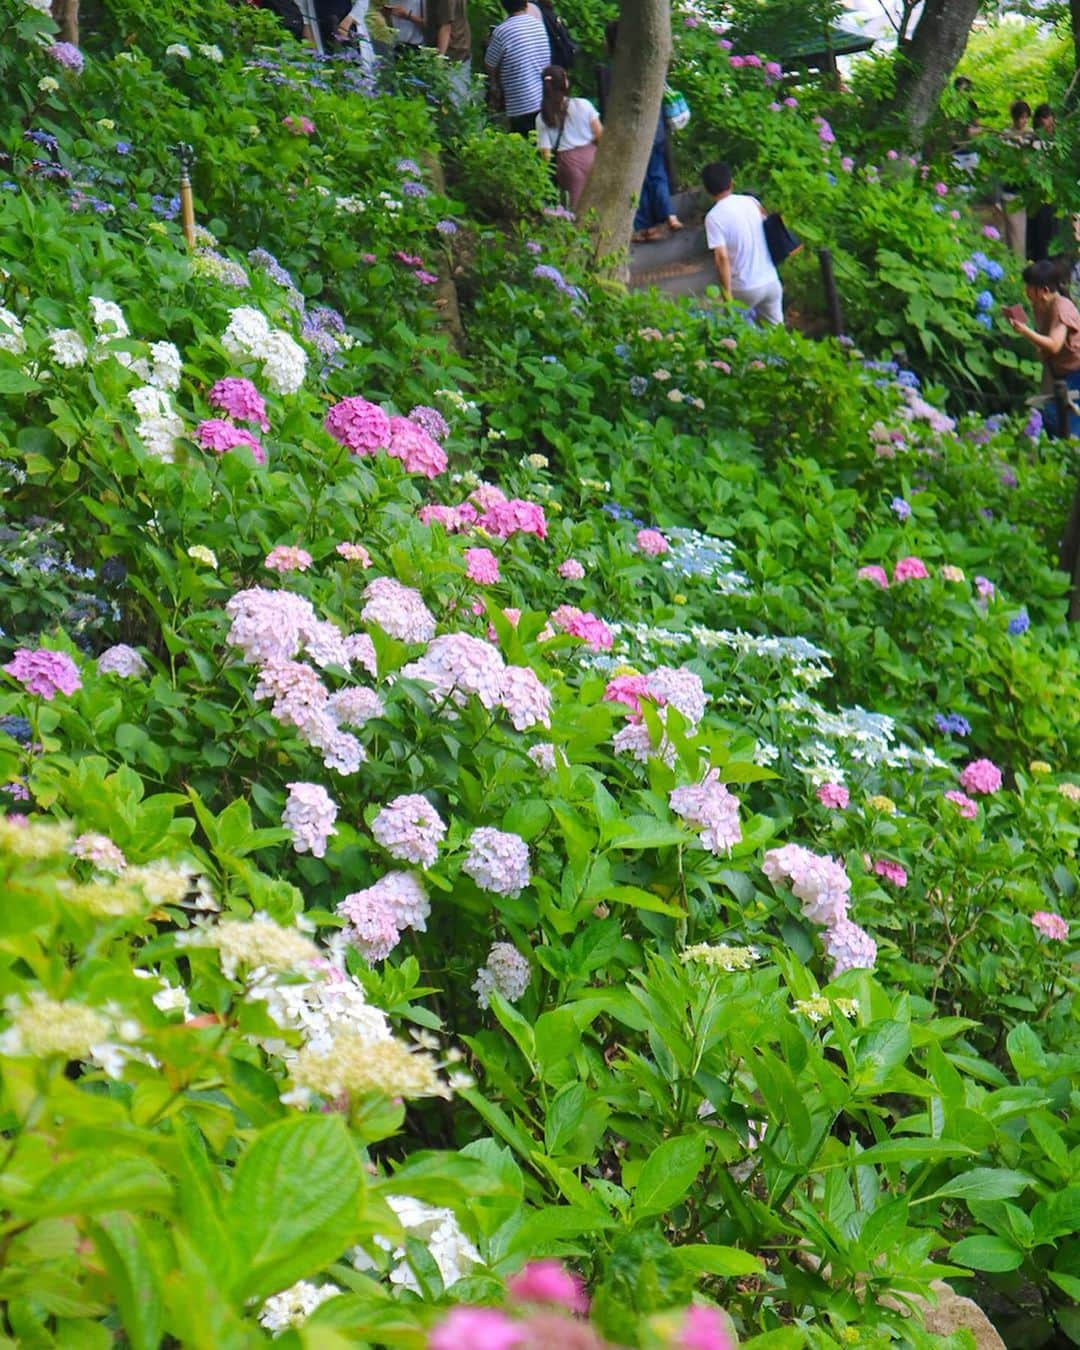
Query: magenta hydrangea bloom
{"x":215,"y":433}
{"x":965,"y":806}
{"x":239,"y":398}
{"x":891,"y":871}
{"x":910,"y":569}
{"x":652,"y":542}
{"x":628,"y":690}
{"x":704,"y":1329}
{"x":44,"y":672}
{"x":481,"y":566}
{"x":981,"y":775}
{"x":299,"y":126}
{"x":360,"y":426}
{"x":410,"y":443}
{"x":1051,"y":926}
{"x":516,"y":516}
{"x":548,"y":1281}
{"x":468,"y":1328}
{"x":833,"y":795}
{"x":579,"y":624}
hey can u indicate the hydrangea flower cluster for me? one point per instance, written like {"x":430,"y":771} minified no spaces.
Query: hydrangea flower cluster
{"x":497,"y":861}
{"x":418,"y":451}
{"x":981,"y":776}
{"x":360,"y":426}
{"x":398,"y":610}
{"x":431,"y":421}
{"x":121,"y":660}
{"x":249,"y":337}
{"x":457,"y":665}
{"x":441,"y":1235}
{"x":43,"y":672}
{"x":481,"y":566}
{"x":309,"y":816}
{"x":221,"y":436}
{"x":823,"y":886}
{"x":580,"y":624}
{"x":239,"y":399}
{"x":159,"y":426}
{"x":287,"y":558}
{"x":677,"y":686}
{"x":489,"y":509}
{"x":571,"y":570}
{"x":710,"y":808}
{"x":505,"y":971}
{"x":410,"y":830}
{"x":652,"y":542}
{"x":379,"y":914}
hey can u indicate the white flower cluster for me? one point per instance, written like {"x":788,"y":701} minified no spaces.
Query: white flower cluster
{"x":68,"y":347}
{"x":159,"y":426}
{"x":211,"y":51}
{"x":180,"y":49}
{"x":11,"y":333}
{"x":317,"y":1011}
{"x":863,"y":737}
{"x":440,"y":1233}
{"x":40,"y":1028}
{"x":693,"y":554}
{"x":505,"y":971}
{"x":292,"y":1307}
{"x":121,"y":660}
{"x":250,"y":337}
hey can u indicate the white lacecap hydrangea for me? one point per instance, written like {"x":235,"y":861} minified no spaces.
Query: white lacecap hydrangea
{"x":11,"y":333}
{"x":438,"y":1229}
{"x":505,"y":971}
{"x":293,"y":1306}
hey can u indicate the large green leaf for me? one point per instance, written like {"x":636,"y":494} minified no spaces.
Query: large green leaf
{"x":134,"y":1278}
{"x":75,"y":1188}
{"x":707,"y":1259}
{"x":986,"y":1252}
{"x":985,"y":1183}
{"x":295,"y":1203}
{"x":668,"y":1174}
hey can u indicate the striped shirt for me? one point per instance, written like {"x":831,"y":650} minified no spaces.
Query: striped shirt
{"x":518,"y":52}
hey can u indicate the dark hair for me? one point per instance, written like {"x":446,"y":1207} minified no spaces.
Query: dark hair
{"x":1044,"y":275}
{"x":1017,"y":109}
{"x":556,"y":95}
{"x":716,"y":178}
{"x":1042,"y":112}
{"x":514,"y":6}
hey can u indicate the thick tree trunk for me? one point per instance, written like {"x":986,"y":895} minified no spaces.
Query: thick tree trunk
{"x":642,"y":56}
{"x":927,"y":61}
{"x":66,"y":14}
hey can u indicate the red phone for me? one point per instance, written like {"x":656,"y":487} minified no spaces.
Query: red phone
{"x":1016,"y":312}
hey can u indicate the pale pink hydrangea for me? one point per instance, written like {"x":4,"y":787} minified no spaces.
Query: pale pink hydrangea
{"x":487,"y":495}
{"x":481,"y":566}
{"x":1051,"y":926}
{"x":356,"y":553}
{"x":635,"y":740}
{"x":652,"y":542}
{"x":309,"y":815}
{"x":268,"y":625}
{"x":451,"y":518}
{"x":910,"y":569}
{"x":456,"y":665}
{"x":820,"y":883}
{"x":121,"y":660}
{"x":360,"y":426}
{"x":543,"y":756}
{"x":299,"y":696}
{"x":967,"y":808}
{"x":360,"y":648}
{"x":549,"y":1281}
{"x":497,"y":861}
{"x":373,"y":928}
{"x":240,"y":399}
{"x":355,"y":706}
{"x":215,"y":433}
{"x":874,"y":573}
{"x":410,"y":830}
{"x":849,"y":947}
{"x":419,"y":453}
{"x":505,"y":971}
{"x":710,"y":808}
{"x":579,"y":624}
{"x":571,"y":570}
{"x":98,"y":850}
{"x":833,"y":795}
{"x":525,"y":698}
{"x":401,"y":893}
{"x":325,"y":644}
{"x":680,"y":688}
{"x":398,"y":610}
{"x":891,"y":871}
{"x":287,"y":558}
{"x":981,"y":775}
{"x":44,"y":672}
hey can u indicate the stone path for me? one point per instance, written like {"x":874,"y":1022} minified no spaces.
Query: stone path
{"x":677,"y":263}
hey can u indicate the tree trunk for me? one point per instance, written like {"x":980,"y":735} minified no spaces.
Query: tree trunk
{"x":927,"y":61}
{"x":642,"y":55}
{"x":66,"y":14}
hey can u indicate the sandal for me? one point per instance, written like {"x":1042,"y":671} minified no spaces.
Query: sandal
{"x":674,"y":224}
{"x":649,"y":236}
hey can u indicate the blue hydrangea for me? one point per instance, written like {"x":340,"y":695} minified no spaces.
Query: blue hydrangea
{"x":900,"y":507}
{"x":952,"y":724}
{"x":638,"y":385}
{"x":1019,"y":623}
{"x":984,"y":300}
{"x":985,"y":320}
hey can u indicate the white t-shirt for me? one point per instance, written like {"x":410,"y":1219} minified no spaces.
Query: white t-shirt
{"x":736,"y":224}
{"x":577,"y":129}
{"x":405,"y":29}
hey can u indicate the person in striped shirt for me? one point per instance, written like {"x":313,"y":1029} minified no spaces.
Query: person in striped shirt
{"x":516,"y":57}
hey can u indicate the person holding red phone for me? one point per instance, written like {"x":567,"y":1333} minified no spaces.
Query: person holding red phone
{"x":1056,"y":336}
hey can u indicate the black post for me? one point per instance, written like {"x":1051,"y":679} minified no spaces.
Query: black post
{"x":832,"y":296}
{"x":1064,"y":411}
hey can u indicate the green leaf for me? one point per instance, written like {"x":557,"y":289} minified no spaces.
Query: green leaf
{"x":75,"y":1188}
{"x":133,"y":1278}
{"x":668,"y":1174}
{"x":985,"y":1252}
{"x":985,"y":1183}
{"x":295,"y":1203}
{"x":565,"y":1116}
{"x":646,"y":832}
{"x":908,"y":1150}
{"x":707,"y":1259}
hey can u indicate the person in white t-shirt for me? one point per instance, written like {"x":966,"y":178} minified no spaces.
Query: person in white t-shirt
{"x":735,"y":231}
{"x":569,"y":129}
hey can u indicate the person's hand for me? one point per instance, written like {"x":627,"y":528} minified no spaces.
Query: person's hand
{"x":345,"y":27}
{"x":1016,"y":324}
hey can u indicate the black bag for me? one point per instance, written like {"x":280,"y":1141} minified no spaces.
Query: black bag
{"x":564,"y":49}
{"x":779,"y":240}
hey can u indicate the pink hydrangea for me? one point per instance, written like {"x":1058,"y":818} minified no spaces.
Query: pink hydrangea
{"x":579,"y":624}
{"x":833,"y":795}
{"x":356,"y":553}
{"x":628,"y":690}
{"x":419,"y":453}
{"x":820,"y":883}
{"x":215,"y":433}
{"x":967,"y":808}
{"x":268,"y":625}
{"x":410,"y":830}
{"x":525,"y":698}
{"x":457,"y":665}
{"x":44,"y":672}
{"x":942,"y":189}
{"x":309,"y":815}
{"x":359,"y":647}
{"x":704,"y":1329}
{"x":497,"y":861}
{"x":481,"y":566}
{"x":652,"y":542}
{"x":984,"y":588}
{"x":451,"y":518}
{"x":680,"y":688}
{"x":1051,"y":926}
{"x":98,"y":850}
{"x":372,"y":927}
{"x":891,"y":871}
{"x":710,"y":808}
{"x":504,"y":971}
{"x":299,"y":125}
{"x":287,"y":558}
{"x":548,"y":1281}
{"x":240,"y":399}
{"x":398,"y":610}
{"x":360,"y":426}
{"x":982,"y":776}
{"x":910,"y":569}
{"x":355,"y":706}
{"x":470,"y":1328}
{"x":849,"y":947}
{"x":516,"y":516}
{"x":571,"y":570}
{"x":396,"y":900}
{"x":991,"y":232}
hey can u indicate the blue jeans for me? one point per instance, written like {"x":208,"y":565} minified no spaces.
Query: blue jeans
{"x":655,"y":204}
{"x":1050,"y":417}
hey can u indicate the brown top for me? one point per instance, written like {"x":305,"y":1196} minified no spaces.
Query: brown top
{"x":1061,"y":310}
{"x":439,"y":13}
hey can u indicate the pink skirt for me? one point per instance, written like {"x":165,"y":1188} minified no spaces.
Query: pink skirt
{"x":573,"y":169}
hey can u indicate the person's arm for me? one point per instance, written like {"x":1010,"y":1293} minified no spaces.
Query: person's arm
{"x":1051,"y":343}
{"x":597,"y":129}
{"x":723,"y":269}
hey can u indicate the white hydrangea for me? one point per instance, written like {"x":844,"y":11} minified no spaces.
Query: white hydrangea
{"x":121,"y":660}
{"x":11,"y":333}
{"x":165,"y":366}
{"x":440,"y":1232}
{"x":180,"y":49}
{"x":47,"y":85}
{"x":505,"y":971}
{"x":293,"y":1306}
{"x":159,"y":426}
{"x":211,"y":51}
{"x":249,"y":336}
{"x":68,"y":347}
{"x":319,"y":1011}
{"x":108,"y":318}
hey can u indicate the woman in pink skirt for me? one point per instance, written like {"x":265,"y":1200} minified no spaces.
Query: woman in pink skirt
{"x":569,"y":129}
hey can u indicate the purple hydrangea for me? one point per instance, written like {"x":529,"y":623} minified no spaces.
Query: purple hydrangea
{"x":410,"y":188}
{"x":67,"y":55}
{"x":900,"y":507}
{"x":446,"y":227}
{"x":952,"y":724}
{"x":431,"y":421}
{"x":1019,"y":623}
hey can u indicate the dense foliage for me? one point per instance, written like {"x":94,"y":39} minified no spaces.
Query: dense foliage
{"x":579,"y":780}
